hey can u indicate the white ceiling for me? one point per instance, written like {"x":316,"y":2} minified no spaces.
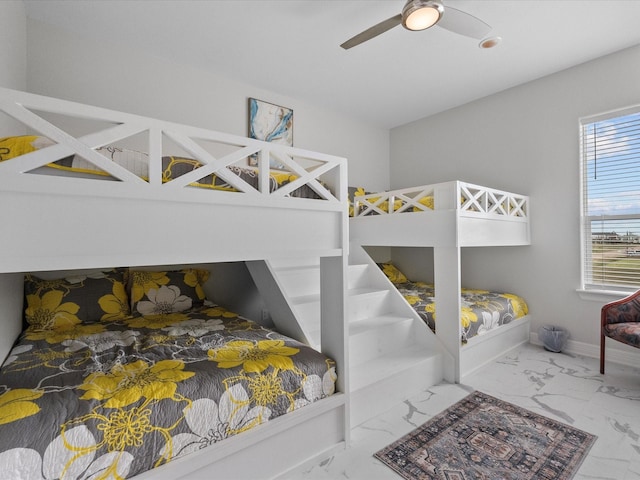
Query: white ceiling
{"x":291,"y":47}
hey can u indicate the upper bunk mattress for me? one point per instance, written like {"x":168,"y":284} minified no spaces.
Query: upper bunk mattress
{"x":137,"y":162}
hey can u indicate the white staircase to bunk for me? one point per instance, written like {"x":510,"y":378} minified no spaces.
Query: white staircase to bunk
{"x":391,"y":355}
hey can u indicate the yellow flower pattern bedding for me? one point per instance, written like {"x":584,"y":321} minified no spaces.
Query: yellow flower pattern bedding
{"x":482,"y":310}
{"x":356,"y":208}
{"x":138,"y":163}
{"x":113,"y":398}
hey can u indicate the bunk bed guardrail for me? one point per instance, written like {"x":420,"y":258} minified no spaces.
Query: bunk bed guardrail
{"x":265,"y":219}
{"x":474,"y":200}
{"x":324,"y":174}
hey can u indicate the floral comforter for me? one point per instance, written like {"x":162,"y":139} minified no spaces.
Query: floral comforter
{"x":138,"y":163}
{"x":111,"y":400}
{"x":482,"y":310}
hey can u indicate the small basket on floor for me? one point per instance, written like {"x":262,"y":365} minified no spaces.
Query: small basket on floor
{"x":553,"y":338}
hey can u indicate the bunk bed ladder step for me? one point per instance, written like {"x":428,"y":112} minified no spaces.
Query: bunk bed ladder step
{"x":361,"y":304}
{"x":389,"y":357}
{"x":393,"y":355}
{"x":372,"y":337}
{"x":381,"y":383}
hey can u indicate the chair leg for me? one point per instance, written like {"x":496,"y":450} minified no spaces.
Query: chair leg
{"x":602,"y":339}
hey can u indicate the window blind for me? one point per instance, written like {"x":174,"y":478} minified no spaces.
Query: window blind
{"x":610,"y":158}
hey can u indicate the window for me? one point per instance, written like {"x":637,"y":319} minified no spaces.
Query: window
{"x":610,"y":170}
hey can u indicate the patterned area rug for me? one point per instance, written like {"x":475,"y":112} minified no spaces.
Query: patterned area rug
{"x":482,"y":437}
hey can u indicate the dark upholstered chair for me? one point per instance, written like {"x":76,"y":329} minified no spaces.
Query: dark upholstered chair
{"x":620,"y":322}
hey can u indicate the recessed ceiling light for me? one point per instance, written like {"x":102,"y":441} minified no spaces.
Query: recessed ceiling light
{"x":490,"y":42}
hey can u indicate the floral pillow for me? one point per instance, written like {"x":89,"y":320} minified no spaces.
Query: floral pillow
{"x":392,"y":273}
{"x":65,"y":302}
{"x":160,"y":293}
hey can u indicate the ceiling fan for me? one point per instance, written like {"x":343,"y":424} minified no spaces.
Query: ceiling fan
{"x":422,"y":14}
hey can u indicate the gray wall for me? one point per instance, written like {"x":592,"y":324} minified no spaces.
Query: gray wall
{"x":13,"y":58}
{"x":13,"y":54}
{"x":526,"y":140}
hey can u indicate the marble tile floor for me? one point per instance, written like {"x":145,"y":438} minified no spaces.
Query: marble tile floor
{"x":562,"y":386}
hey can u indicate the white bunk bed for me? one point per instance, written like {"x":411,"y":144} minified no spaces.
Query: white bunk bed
{"x":54,"y":223}
{"x":449,"y":216}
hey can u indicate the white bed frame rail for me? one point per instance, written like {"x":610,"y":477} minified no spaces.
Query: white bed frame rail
{"x":458,"y":213}
{"x":66,"y":208}
{"x":473,"y":198}
{"x":54,"y":223}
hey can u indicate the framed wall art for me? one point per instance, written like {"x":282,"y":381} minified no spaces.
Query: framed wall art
{"x":271,"y":123}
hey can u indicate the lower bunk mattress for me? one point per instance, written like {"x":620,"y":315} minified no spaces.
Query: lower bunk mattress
{"x":481,"y":312}
{"x":117,"y":398}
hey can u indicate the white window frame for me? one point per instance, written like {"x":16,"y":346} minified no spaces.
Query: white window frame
{"x":590,"y":290}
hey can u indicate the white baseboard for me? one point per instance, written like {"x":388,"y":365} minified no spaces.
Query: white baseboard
{"x":629,"y":358}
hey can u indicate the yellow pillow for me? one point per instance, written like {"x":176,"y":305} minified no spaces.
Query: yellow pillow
{"x":392,"y":273}
{"x":426,"y":201}
{"x":11,"y":147}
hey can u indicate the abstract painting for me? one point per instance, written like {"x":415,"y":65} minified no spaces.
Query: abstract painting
{"x":271,"y":123}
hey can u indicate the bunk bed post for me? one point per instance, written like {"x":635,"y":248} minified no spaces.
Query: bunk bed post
{"x":334,"y":327}
{"x":11,"y":296}
{"x":447,"y":281}
{"x":448,"y":307}
{"x":333,"y":333}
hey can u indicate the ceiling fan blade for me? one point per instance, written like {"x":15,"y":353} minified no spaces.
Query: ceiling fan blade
{"x":463,"y":23}
{"x":372,"y":32}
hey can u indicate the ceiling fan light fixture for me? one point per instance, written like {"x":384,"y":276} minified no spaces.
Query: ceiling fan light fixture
{"x":421,"y":14}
